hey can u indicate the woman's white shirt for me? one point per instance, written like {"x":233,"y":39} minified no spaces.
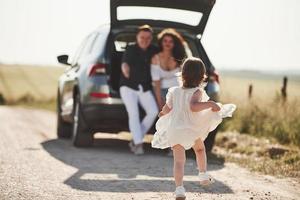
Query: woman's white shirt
{"x":167,"y":77}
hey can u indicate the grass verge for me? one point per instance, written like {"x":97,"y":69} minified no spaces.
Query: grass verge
{"x":45,"y":105}
{"x":259,"y":154}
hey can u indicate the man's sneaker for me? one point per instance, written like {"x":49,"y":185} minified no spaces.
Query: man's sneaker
{"x":136,"y":149}
{"x":180,"y":193}
{"x":131,"y":146}
{"x":139,"y":150}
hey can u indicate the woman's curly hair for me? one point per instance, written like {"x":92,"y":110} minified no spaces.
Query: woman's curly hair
{"x":178,"y":50}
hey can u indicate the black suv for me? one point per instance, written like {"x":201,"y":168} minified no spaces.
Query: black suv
{"x":88,"y":99}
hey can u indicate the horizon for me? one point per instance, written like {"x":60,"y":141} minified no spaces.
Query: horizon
{"x":270,"y":72}
{"x":240,"y":35}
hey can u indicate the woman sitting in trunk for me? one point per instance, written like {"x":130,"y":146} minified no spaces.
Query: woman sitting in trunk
{"x":166,"y":63}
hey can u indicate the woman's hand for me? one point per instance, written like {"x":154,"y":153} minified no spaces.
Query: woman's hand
{"x":157,"y":93}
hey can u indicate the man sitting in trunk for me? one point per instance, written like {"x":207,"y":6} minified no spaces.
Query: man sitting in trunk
{"x":136,"y":86}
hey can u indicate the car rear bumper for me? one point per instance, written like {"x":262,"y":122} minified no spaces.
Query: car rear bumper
{"x":105,"y":117}
{"x":110,"y":118}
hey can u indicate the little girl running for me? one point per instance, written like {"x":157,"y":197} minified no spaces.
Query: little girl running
{"x":185,"y":121}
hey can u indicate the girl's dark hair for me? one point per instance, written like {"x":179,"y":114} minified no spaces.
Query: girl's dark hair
{"x":178,"y":50}
{"x":193,"y":72}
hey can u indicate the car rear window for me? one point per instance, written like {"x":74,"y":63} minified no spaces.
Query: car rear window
{"x":154,"y":13}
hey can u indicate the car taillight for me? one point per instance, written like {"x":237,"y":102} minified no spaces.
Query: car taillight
{"x":99,"y":95}
{"x":97,"y":69}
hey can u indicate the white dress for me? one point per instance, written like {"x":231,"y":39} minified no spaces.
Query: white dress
{"x":181,"y":125}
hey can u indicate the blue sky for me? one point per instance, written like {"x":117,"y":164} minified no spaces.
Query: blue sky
{"x":241,"y":34}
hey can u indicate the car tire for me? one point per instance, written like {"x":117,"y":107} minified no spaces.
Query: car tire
{"x":64,"y":129}
{"x":81,"y":136}
{"x":210,"y":140}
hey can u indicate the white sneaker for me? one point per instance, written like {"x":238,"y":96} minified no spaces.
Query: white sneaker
{"x":205,"y":179}
{"x":180,"y":193}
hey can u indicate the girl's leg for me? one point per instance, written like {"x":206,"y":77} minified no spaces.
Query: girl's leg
{"x":179,"y":161}
{"x":199,"y":149}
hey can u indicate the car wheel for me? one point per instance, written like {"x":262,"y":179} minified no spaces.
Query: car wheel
{"x":210,"y":140}
{"x":81,"y":136}
{"x":64,"y":129}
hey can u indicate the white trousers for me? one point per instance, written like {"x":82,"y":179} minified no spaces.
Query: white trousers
{"x":131,"y":98}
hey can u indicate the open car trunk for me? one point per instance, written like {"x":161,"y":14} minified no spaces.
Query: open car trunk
{"x":191,"y":15}
{"x":188,"y":16}
{"x":119,"y":43}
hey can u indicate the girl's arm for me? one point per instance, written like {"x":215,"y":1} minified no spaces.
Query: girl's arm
{"x":165,"y":110}
{"x":196,"y":105}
